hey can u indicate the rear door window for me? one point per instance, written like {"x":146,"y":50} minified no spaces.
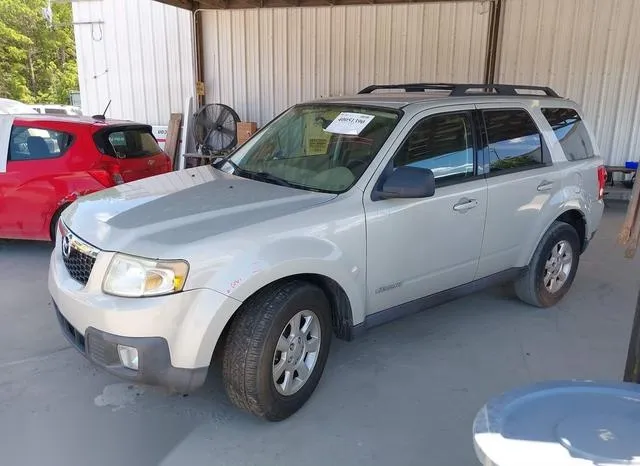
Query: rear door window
{"x":37,"y":144}
{"x":133,"y":143}
{"x":514,"y":142}
{"x":571,"y":133}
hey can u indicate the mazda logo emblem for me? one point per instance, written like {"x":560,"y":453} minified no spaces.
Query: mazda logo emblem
{"x":66,"y":245}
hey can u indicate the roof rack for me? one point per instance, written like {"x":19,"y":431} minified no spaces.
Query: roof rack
{"x":461,"y":89}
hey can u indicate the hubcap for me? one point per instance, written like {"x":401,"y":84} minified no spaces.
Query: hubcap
{"x":296,"y":352}
{"x":558,"y":266}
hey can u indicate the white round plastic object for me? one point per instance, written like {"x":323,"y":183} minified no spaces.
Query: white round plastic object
{"x":572,"y":423}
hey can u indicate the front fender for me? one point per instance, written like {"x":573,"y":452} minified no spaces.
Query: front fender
{"x":257,"y":267}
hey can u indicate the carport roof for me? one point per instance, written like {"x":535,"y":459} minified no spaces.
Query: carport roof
{"x":237,"y":4}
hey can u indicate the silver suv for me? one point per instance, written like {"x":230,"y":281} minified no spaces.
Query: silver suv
{"x":339,"y":215}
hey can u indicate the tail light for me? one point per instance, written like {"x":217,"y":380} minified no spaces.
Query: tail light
{"x":602,"y":181}
{"x":169,"y":163}
{"x":107,"y":174}
{"x":105,"y":178}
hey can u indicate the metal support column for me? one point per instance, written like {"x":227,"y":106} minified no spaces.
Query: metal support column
{"x":494,"y":40}
{"x":199,"y":58}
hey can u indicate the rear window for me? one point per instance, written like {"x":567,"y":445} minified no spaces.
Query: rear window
{"x":571,"y":132}
{"x":37,"y":144}
{"x":132,"y":143}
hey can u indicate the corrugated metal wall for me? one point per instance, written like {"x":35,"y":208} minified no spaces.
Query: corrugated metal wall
{"x":588,"y":50}
{"x":262,"y":61}
{"x":141,"y":58}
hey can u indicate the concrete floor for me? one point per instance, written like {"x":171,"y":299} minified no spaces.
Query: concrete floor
{"x":405,"y":394}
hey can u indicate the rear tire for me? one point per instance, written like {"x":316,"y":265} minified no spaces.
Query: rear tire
{"x":270,"y":368}
{"x":552,"y":268}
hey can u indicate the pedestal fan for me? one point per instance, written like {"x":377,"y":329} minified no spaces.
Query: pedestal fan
{"x":215,"y":130}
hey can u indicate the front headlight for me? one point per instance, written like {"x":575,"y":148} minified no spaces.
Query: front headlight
{"x":134,"y":277}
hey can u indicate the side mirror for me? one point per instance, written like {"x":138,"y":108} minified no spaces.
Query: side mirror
{"x":406,"y":183}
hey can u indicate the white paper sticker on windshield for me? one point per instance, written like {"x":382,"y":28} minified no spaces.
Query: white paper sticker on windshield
{"x":349,"y":123}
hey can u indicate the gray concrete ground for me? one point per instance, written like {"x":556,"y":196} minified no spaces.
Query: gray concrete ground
{"x":405,"y":394}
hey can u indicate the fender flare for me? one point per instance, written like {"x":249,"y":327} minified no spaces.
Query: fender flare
{"x":525,"y":259}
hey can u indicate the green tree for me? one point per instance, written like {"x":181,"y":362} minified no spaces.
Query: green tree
{"x":37,"y":59}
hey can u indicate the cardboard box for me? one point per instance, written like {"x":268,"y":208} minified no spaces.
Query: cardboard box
{"x":246,"y":129}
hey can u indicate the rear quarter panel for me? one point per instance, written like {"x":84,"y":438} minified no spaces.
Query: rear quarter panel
{"x":579,"y":188}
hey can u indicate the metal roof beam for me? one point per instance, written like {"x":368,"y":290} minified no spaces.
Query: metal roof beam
{"x":213,"y":4}
{"x":239,"y":4}
{"x":185,"y":4}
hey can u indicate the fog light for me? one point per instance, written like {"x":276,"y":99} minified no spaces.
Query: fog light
{"x":128,"y":356}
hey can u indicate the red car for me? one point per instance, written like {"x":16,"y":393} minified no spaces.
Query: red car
{"x":47,"y":161}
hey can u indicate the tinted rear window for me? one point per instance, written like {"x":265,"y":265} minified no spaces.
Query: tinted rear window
{"x":571,"y":132}
{"x":132,"y":143}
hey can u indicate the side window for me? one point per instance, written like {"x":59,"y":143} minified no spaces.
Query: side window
{"x":514,"y":140}
{"x":443,"y":144}
{"x":571,"y":132}
{"x":37,"y":144}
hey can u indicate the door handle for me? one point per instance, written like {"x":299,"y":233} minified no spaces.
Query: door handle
{"x":465,"y":204}
{"x":545,"y":185}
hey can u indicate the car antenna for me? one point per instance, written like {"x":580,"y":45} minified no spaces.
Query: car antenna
{"x":102,"y":116}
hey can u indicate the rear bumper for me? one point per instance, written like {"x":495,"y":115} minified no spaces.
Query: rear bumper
{"x":153,"y":355}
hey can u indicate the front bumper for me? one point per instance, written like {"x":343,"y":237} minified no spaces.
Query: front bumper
{"x":153,"y":355}
{"x":175,"y":334}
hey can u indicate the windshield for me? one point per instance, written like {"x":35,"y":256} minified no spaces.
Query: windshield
{"x":317,"y":147}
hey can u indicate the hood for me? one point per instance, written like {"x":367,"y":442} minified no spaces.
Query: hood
{"x":150,"y":216}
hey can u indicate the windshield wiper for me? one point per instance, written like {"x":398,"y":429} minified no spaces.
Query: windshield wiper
{"x":268,"y":177}
{"x":260,"y":176}
{"x":220,"y":163}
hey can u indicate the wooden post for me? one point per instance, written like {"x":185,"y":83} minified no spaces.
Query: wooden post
{"x":173,"y":136}
{"x":631,"y":217}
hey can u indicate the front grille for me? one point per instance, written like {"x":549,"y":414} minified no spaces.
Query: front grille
{"x":70,"y":332}
{"x":79,"y":265}
{"x":79,"y":257}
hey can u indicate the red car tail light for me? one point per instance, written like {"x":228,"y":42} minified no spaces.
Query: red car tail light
{"x":166,"y":165}
{"x":107,"y":174}
{"x":117,"y":178}
{"x":602,"y":181}
{"x":103,"y":177}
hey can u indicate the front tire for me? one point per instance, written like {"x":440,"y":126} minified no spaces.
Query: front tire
{"x":276,"y":349}
{"x":552,"y":268}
